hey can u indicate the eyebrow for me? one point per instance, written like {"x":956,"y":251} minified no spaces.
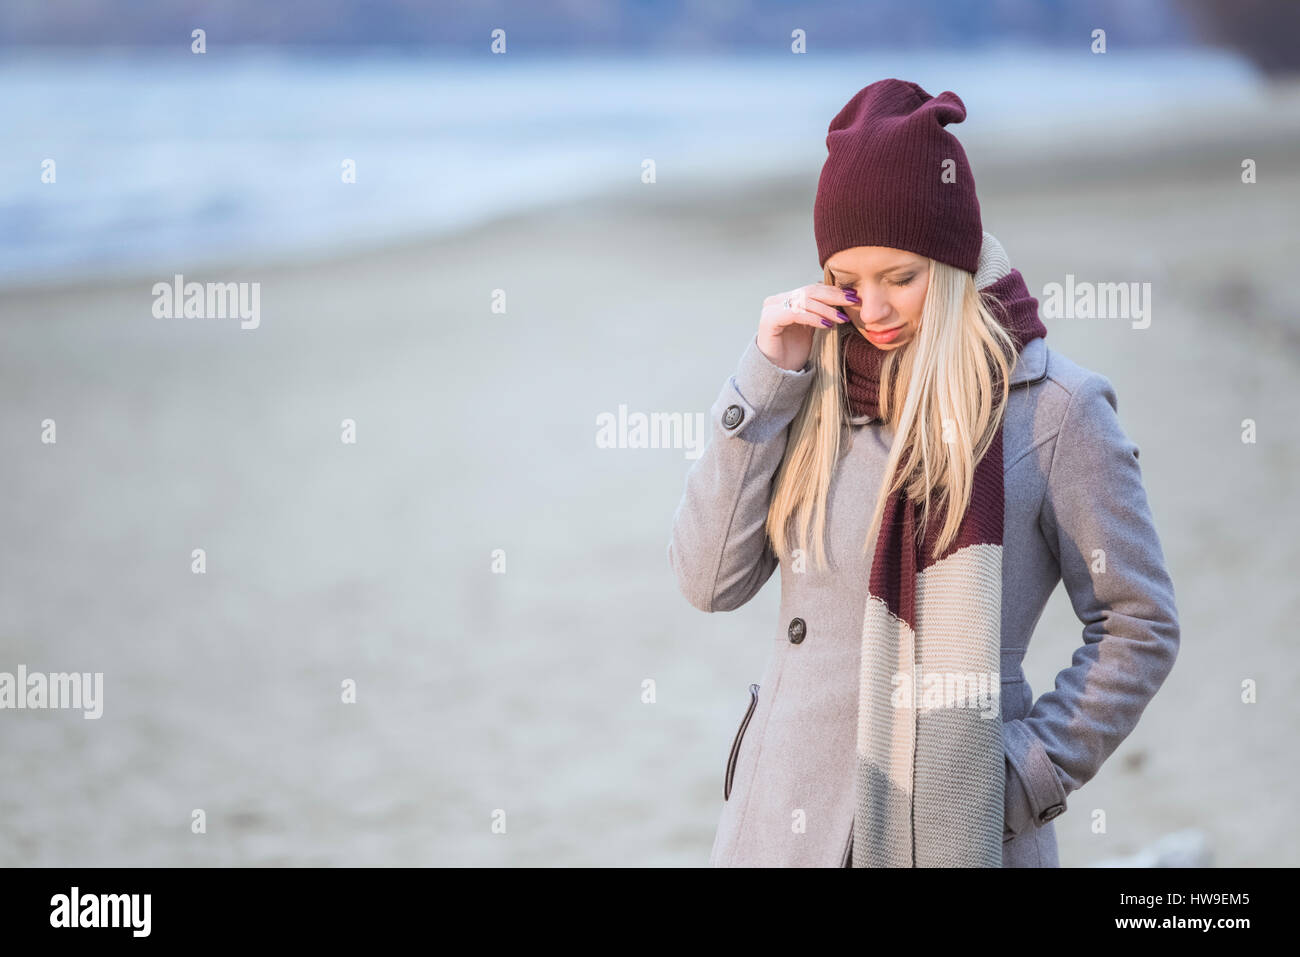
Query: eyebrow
{"x":882,"y":272}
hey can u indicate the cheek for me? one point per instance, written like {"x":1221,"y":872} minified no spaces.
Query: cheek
{"x":914,"y":305}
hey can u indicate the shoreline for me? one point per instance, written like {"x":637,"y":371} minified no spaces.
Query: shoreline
{"x":1271,"y":127}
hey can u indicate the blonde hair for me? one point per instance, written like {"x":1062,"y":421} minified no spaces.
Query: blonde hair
{"x":946,"y":374}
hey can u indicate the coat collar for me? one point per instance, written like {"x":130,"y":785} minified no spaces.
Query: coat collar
{"x":1031,"y":366}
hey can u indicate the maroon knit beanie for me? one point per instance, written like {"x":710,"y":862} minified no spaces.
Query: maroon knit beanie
{"x":884,"y":181}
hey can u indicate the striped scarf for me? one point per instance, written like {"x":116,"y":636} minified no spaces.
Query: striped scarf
{"x":930,"y":765}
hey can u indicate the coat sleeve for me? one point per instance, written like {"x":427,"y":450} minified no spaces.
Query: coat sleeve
{"x":1096,"y":520}
{"x":719,"y":548}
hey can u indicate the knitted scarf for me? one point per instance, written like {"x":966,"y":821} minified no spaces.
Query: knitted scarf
{"x":930,"y":767}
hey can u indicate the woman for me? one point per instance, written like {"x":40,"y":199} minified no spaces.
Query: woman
{"x":893,"y":725}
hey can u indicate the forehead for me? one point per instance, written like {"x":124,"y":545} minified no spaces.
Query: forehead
{"x":871,"y":260}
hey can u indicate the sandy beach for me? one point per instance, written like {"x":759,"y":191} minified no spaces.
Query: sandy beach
{"x":518,"y":695}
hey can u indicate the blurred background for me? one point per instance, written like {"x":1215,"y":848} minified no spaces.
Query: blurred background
{"x":629,"y":180}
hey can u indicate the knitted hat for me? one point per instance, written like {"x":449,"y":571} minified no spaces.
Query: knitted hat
{"x":887,"y":180}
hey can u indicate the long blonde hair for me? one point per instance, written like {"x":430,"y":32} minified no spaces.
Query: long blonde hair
{"x":946,"y":374}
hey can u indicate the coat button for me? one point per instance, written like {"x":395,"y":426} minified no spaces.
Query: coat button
{"x":733,"y":416}
{"x":797,"y":630}
{"x":1056,"y":810}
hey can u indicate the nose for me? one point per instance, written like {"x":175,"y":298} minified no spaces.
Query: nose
{"x":875,"y":306}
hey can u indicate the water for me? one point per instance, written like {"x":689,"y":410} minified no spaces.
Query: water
{"x":166,"y":159}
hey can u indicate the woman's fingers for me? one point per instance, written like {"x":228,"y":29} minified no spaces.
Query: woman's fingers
{"x":835,"y":295}
{"x":818,"y":305}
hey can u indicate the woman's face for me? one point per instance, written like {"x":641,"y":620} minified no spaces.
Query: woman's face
{"x":891,"y":285}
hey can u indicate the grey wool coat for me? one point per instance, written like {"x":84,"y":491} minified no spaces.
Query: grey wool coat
{"x":1076,"y":512}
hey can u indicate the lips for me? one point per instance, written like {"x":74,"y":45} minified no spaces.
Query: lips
{"x":887,"y":336}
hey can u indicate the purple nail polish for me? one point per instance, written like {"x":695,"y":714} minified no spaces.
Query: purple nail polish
{"x":842,"y":314}
{"x":852,"y":296}
{"x":827,"y":323}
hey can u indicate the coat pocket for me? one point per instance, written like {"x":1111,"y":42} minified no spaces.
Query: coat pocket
{"x":735,"y":745}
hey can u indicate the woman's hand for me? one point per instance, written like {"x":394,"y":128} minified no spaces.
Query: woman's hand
{"x":785,"y":335}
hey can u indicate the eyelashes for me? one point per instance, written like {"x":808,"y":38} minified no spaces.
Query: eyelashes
{"x":901,"y":282}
